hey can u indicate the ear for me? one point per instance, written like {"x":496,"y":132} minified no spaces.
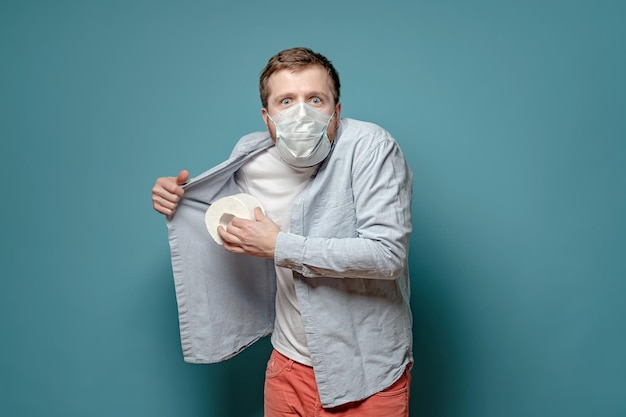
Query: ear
{"x":264,"y":116}
{"x":267,"y":121}
{"x":338,"y":111}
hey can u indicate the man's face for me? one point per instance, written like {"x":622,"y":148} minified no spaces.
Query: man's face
{"x":311,"y":85}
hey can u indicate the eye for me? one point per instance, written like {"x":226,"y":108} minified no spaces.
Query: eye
{"x":285,"y":101}
{"x":316,"y":100}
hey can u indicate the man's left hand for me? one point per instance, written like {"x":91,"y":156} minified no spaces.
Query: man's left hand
{"x":256,"y":238}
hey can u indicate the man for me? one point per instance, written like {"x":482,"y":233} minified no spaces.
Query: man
{"x":322,"y":268}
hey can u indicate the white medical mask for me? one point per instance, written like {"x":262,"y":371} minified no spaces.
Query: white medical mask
{"x":301,"y":138}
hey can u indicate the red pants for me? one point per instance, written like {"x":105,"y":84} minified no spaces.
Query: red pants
{"x":290,"y":390}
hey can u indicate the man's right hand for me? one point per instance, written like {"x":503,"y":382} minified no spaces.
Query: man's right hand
{"x":167,"y":191}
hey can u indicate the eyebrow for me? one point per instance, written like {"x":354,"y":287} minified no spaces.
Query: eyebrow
{"x":309,"y":94}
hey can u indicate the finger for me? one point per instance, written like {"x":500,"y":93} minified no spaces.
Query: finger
{"x":160,"y":193}
{"x":227,"y":236}
{"x":173,"y":187}
{"x":164,"y":203}
{"x":237,"y":224}
{"x":231,"y":242}
{"x":233,"y":248}
{"x":162,"y":209}
{"x":165,"y":186}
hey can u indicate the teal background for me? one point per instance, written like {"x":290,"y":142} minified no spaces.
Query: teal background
{"x":511,"y":115}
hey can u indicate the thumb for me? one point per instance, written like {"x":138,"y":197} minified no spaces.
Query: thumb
{"x":182,"y":177}
{"x":258,"y":214}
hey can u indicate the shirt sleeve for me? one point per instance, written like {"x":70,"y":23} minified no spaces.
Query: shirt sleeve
{"x":381,"y":186}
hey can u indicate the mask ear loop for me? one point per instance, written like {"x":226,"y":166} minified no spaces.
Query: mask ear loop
{"x":270,"y":117}
{"x":332,"y":143}
{"x":332,"y":146}
{"x":275,"y":126}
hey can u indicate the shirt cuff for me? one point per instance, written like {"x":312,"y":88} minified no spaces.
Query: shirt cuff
{"x":289,"y":251}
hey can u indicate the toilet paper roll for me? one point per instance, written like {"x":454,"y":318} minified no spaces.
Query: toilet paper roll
{"x":222,"y":211}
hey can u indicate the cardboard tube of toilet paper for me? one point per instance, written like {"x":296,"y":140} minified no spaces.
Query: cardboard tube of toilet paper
{"x":222,"y":211}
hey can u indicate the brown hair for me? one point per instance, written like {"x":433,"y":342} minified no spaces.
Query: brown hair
{"x":295,"y":58}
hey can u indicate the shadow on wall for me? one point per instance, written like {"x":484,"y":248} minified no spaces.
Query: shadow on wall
{"x":242,"y":379}
{"x":436,"y":373}
{"x":233,"y":388}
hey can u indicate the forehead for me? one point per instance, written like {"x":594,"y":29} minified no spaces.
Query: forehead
{"x":312,"y":78}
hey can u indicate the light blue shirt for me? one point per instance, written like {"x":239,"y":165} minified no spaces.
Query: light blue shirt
{"x":347,"y":247}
